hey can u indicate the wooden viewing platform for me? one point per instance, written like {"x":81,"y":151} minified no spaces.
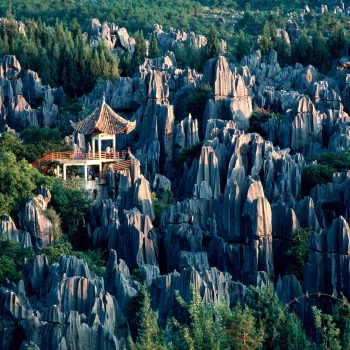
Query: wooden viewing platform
{"x":117,"y":160}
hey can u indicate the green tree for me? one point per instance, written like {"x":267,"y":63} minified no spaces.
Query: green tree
{"x":338,"y":39}
{"x":12,"y":260}
{"x":283,"y":330}
{"x":315,"y":174}
{"x":149,"y":336}
{"x":243,"y":330}
{"x":18,"y":181}
{"x":299,"y":252}
{"x":243,"y":45}
{"x":302,"y":49}
{"x":320,"y":57}
{"x":153,"y":50}
{"x":213,"y":45}
{"x":205,"y":330}
{"x":265,"y":42}
{"x":140,"y":49}
{"x":70,"y":200}
{"x":327,"y":329}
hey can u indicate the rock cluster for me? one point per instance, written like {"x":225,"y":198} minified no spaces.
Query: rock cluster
{"x":26,"y":102}
{"x":113,"y":37}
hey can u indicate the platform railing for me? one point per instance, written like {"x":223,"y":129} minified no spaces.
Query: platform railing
{"x":62,"y":156}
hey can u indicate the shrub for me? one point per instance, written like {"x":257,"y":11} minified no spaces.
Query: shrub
{"x":12,"y":260}
{"x":315,"y":174}
{"x":322,"y":171}
{"x":194,"y":103}
{"x":299,"y":253}
{"x":96,"y":259}
{"x":160,"y":205}
{"x":328,"y":331}
{"x":55,"y":219}
{"x":70,"y":200}
{"x":259,"y":117}
{"x":187,"y":153}
{"x":18,"y":181}
{"x":39,"y":141}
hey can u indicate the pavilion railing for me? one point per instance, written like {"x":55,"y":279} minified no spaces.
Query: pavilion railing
{"x":66,"y":156}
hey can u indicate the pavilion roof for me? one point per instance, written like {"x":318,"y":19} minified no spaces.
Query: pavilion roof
{"x":104,"y":120}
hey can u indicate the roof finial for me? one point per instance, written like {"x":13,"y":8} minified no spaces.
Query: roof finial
{"x":103,"y":98}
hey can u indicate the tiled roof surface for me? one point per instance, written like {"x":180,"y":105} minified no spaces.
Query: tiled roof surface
{"x":103,"y":119}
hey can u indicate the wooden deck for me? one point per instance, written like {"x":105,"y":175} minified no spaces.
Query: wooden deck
{"x":116,"y":159}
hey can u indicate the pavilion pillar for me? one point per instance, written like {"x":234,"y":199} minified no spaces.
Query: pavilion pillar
{"x":93,"y":147}
{"x":64,"y":172}
{"x":114,"y":146}
{"x":58,"y":170}
{"x":85,"y":172}
{"x":99,"y":146}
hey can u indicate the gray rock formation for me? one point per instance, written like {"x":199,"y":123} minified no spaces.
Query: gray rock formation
{"x":76,"y":312}
{"x":36,"y":222}
{"x":10,"y":232}
{"x":232,"y":98}
{"x":114,"y":37}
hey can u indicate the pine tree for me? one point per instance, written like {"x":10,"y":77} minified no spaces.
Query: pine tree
{"x":243,"y":330}
{"x":320,"y":57}
{"x":277,"y":321}
{"x":265,"y":43}
{"x":302,"y":49}
{"x":213,"y":45}
{"x":338,"y":39}
{"x":140,"y":49}
{"x":149,"y":336}
{"x":205,"y":331}
{"x":243,"y":45}
{"x":328,"y":331}
{"x":153,"y":50}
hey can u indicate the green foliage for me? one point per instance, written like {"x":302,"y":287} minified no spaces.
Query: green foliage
{"x":205,"y":330}
{"x":74,"y":110}
{"x":162,"y":204}
{"x":55,"y":251}
{"x":70,"y":200}
{"x":140,"y":49}
{"x":212,"y":48}
{"x":327,"y":329}
{"x":194,"y":103}
{"x":96,"y":259}
{"x":282,"y":329}
{"x":39,"y":141}
{"x":187,"y":56}
{"x":315,"y":174}
{"x":153,"y":50}
{"x":136,"y":275}
{"x":342,"y":319}
{"x":61,"y":57}
{"x":322,"y":171}
{"x":12,"y":259}
{"x":265,"y":43}
{"x":188,"y":154}
{"x":55,"y":219}
{"x":243,"y":330}
{"x":298,"y":253}
{"x":302,"y":48}
{"x":242,"y":45}
{"x":8,"y":269}
{"x":259,"y":117}
{"x":149,"y":335}
{"x":18,"y":181}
